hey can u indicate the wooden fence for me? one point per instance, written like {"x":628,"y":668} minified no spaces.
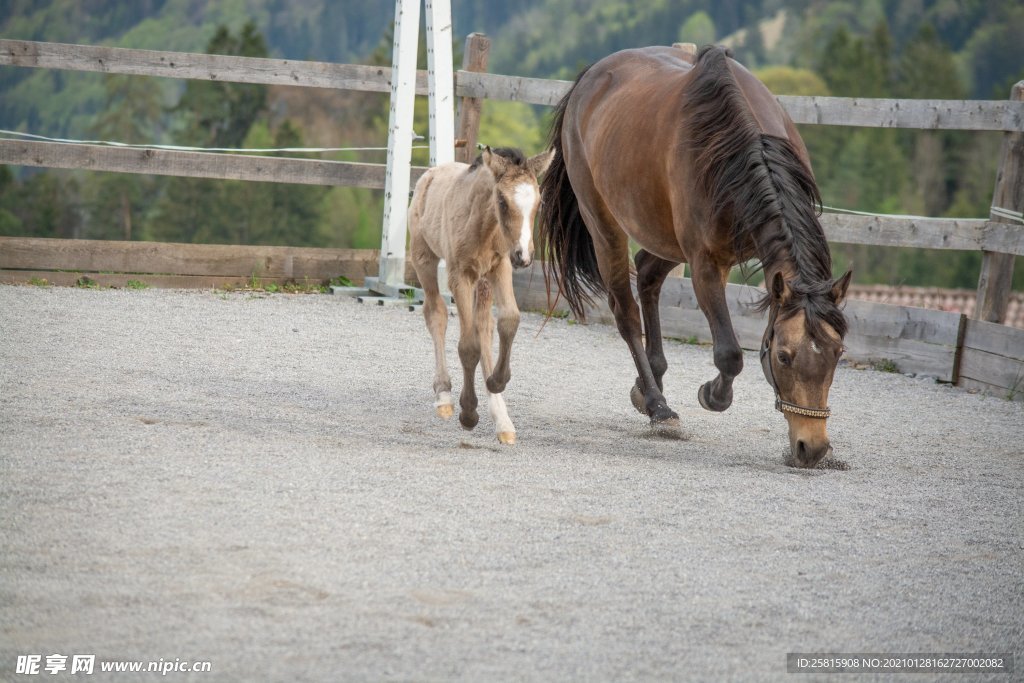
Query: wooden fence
{"x":976,"y":353}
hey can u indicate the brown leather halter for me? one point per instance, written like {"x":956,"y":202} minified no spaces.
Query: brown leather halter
{"x":766,"y":366}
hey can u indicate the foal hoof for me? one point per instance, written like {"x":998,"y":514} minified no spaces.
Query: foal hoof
{"x":708,"y":402}
{"x":469,"y":419}
{"x":508,"y":438}
{"x":445,"y":411}
{"x":636,"y":397}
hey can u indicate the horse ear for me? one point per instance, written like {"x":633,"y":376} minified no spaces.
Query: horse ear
{"x":539,"y":163}
{"x":493,"y":161}
{"x":840,"y":286}
{"x":780,"y":288}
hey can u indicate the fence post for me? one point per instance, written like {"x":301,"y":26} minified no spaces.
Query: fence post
{"x":474,"y":58}
{"x":997,"y":269}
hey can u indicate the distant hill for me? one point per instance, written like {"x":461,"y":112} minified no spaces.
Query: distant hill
{"x":544,"y":38}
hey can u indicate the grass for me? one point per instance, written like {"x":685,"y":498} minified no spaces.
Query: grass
{"x":1017,"y":388}
{"x":884,"y":365}
{"x":341,"y":281}
{"x":255,"y":284}
{"x":136,"y":284}
{"x":86,"y":282}
{"x":39,"y":282}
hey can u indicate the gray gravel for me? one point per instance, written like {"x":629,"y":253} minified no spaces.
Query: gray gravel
{"x":259,"y":481}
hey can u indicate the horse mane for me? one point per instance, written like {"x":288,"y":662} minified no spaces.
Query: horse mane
{"x":760,"y":186}
{"x":513,"y":154}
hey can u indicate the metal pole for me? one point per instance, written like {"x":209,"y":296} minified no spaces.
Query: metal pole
{"x":440,"y":81}
{"x":441,"y":88}
{"x":400,"y":135}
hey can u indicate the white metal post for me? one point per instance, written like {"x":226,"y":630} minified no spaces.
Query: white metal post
{"x":400,"y":134}
{"x":441,"y":87}
{"x":440,"y":81}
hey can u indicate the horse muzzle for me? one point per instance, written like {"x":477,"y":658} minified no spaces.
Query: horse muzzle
{"x":520,"y":259}
{"x":808,"y":454}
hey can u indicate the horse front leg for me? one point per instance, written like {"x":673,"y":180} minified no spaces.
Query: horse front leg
{"x":709,"y":281}
{"x":651,"y":272}
{"x":503,"y":426}
{"x":508,"y":324}
{"x":469,"y":347}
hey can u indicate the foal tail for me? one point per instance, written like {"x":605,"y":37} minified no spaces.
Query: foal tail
{"x":568,"y":248}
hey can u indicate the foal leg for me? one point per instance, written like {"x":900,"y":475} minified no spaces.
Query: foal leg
{"x":435,"y":311}
{"x":503,"y":426}
{"x":469,"y":347}
{"x":508,"y":323}
{"x":709,"y":280}
{"x":651,"y":272}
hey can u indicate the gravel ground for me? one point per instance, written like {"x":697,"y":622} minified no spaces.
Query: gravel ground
{"x":259,"y":481}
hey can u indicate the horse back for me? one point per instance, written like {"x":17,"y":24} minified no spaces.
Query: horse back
{"x":436,"y":203}
{"x":628,"y":135}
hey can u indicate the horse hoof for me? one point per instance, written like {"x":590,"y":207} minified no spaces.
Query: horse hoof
{"x":636,"y":397}
{"x":707,"y":401}
{"x":468,"y":420}
{"x":445,"y":411}
{"x":664,"y":416}
{"x":507,"y":438}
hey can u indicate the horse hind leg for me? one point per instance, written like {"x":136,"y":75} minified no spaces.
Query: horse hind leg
{"x":613,"y":263}
{"x":503,"y":426}
{"x":651,"y":272}
{"x":435,"y":313}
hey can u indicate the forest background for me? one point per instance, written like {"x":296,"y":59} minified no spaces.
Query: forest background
{"x":929,"y":49}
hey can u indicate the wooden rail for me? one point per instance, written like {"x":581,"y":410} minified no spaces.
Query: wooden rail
{"x":1002,"y":115}
{"x":195,"y":164}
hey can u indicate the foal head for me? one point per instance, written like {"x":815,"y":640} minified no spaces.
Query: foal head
{"x":799,"y":353}
{"x":516,"y":197}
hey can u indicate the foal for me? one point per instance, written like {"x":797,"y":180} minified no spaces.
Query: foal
{"x":479,"y":219}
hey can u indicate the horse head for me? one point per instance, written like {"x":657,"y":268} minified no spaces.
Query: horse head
{"x":799,"y":353}
{"x":516,"y":197}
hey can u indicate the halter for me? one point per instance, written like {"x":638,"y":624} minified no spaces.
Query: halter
{"x":766,"y":366}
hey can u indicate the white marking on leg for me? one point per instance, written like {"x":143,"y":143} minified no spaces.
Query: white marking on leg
{"x":525,"y":197}
{"x":444,"y":398}
{"x":499,"y":413}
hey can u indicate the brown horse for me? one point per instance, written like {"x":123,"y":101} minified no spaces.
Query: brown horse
{"x":696,"y":161}
{"x":479,"y":219}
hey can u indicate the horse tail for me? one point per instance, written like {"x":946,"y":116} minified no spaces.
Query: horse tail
{"x":566,"y":244}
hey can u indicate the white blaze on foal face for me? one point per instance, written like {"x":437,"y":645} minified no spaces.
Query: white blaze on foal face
{"x":525,"y":198}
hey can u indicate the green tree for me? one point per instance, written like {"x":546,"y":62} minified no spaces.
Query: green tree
{"x":219,"y":114}
{"x":295,"y":209}
{"x":133,"y":112}
{"x":699,"y":28}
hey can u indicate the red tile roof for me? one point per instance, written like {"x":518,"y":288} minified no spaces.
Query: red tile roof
{"x":958,"y":300}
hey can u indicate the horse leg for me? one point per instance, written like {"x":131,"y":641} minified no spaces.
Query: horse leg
{"x":463,"y":291}
{"x":651,"y":272}
{"x":435,"y":312}
{"x":613,"y":262}
{"x":503,"y":426}
{"x":709,"y":280}
{"x":508,"y":323}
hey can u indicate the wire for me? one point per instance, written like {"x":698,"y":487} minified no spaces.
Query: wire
{"x":182,"y":148}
